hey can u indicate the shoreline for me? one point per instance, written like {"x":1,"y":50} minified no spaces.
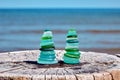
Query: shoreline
{"x":112,"y":51}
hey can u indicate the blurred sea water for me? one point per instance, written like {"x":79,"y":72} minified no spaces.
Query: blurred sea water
{"x":98,"y":29}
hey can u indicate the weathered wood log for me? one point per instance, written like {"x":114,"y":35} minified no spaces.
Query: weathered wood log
{"x":22,"y":65}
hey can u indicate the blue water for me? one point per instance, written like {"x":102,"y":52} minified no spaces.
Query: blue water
{"x":21,"y":29}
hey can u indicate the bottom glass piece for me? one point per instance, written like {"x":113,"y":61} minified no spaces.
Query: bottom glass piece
{"x":71,"y":60}
{"x":47,"y":62}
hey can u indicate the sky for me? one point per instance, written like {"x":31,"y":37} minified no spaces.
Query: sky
{"x":59,"y":3}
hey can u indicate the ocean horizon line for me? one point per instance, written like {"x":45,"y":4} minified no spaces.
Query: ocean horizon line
{"x":62,"y":8}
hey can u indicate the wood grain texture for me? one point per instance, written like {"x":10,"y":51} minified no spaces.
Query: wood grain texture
{"x":115,"y":73}
{"x":22,"y":65}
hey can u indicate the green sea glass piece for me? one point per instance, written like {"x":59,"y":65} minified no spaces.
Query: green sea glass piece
{"x":47,"y":54}
{"x":72,"y":54}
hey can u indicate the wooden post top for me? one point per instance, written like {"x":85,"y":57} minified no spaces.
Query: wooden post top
{"x":22,"y":65}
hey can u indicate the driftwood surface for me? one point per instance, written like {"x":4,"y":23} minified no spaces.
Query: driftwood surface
{"x":22,"y":65}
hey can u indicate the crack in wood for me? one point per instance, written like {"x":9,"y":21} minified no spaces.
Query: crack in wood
{"x":11,"y":69}
{"x":93,"y":77}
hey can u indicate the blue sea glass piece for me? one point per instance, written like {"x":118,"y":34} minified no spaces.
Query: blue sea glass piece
{"x":72,"y":54}
{"x":70,"y":60}
{"x":47,"y":54}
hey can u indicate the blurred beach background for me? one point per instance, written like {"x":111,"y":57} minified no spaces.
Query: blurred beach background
{"x":98,"y":29}
{"x":97,"y":23}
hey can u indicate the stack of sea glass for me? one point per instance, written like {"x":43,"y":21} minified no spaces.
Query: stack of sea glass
{"x":72,"y":54}
{"x":47,"y":54}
